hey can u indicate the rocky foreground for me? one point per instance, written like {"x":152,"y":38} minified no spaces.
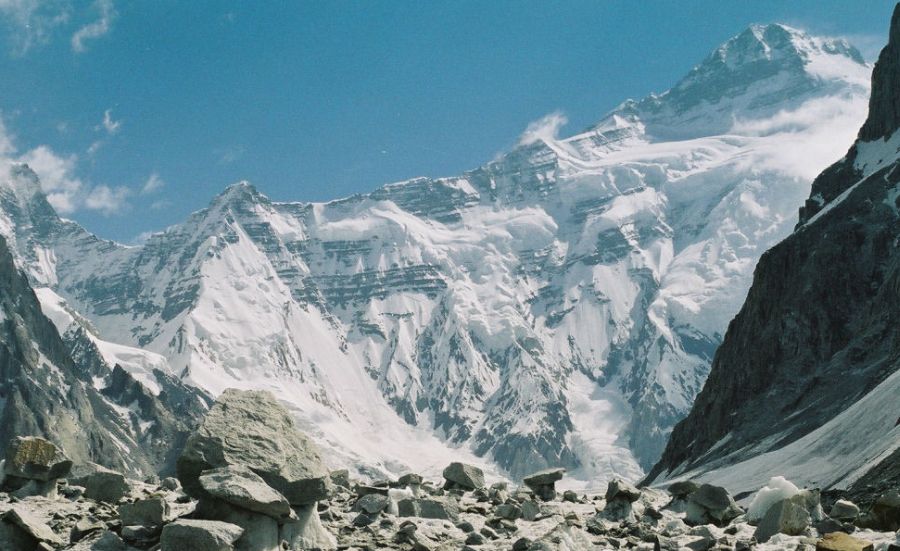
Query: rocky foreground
{"x":249,"y":480}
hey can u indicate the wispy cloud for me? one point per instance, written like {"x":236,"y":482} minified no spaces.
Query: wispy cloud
{"x":95,"y":29}
{"x":31,"y":22}
{"x":108,"y":200}
{"x":544,"y":129}
{"x":230,"y":154}
{"x":153,"y":184}
{"x":111,"y":126}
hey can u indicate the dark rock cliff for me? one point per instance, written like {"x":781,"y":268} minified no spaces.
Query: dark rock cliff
{"x":819,"y":328}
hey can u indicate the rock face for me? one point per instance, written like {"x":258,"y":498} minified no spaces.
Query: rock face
{"x":545,"y":286}
{"x":251,"y":429}
{"x":47,"y":381}
{"x":817,"y":334}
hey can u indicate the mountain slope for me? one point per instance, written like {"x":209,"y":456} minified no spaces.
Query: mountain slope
{"x":95,"y":412}
{"x":557,"y":306}
{"x":806,"y":381}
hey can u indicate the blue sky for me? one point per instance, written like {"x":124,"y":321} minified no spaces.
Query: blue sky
{"x":140,"y":112}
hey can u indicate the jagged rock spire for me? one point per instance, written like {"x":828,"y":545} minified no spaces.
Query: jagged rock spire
{"x":884,"y":104}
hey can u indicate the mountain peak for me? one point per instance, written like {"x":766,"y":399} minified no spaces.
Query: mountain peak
{"x":239,"y":193}
{"x":884,"y":103}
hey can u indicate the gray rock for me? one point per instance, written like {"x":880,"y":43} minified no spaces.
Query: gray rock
{"x":439,"y":508}
{"x":464,"y":476}
{"x":844,"y":510}
{"x":618,"y":489}
{"x":683,"y":489}
{"x":543,"y":483}
{"x":306,"y":531}
{"x":35,"y":458}
{"x":530,"y":509}
{"x":372,"y":503}
{"x":886,"y":511}
{"x":410,"y":479}
{"x":101,"y":541}
{"x":509,"y":511}
{"x":31,"y":525}
{"x":170,"y":483}
{"x":104,"y":485}
{"x":153,"y":511}
{"x":711,"y":505}
{"x":788,"y":516}
{"x":251,"y":429}
{"x":340,"y":478}
{"x":84,"y":527}
{"x":199,"y":535}
{"x":243,"y":488}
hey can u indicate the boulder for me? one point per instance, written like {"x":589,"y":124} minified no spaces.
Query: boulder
{"x":170,"y":483}
{"x":446,"y":509}
{"x":461,"y":475}
{"x":618,"y":489}
{"x":24,"y":526}
{"x":35,"y":458}
{"x":409,"y":479}
{"x":683,"y":488}
{"x":104,"y":485}
{"x":152,"y":511}
{"x":372,"y":503}
{"x":251,"y":429}
{"x":199,"y":535}
{"x":243,"y":488}
{"x":543,"y":483}
{"x":844,"y":510}
{"x":788,"y":516}
{"x":885,"y":512}
{"x":839,"y":541}
{"x":711,"y":505}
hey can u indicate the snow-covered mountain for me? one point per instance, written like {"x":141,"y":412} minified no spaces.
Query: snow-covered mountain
{"x":807,"y":380}
{"x":558,"y":306}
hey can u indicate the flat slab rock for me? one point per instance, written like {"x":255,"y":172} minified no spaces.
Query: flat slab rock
{"x":252,"y":429}
{"x":544,"y":478}
{"x":199,"y":535}
{"x":35,"y":458}
{"x":245,"y":489}
{"x":839,"y":541}
{"x":465,"y":476}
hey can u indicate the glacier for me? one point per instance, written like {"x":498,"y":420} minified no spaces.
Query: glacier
{"x":558,"y":306}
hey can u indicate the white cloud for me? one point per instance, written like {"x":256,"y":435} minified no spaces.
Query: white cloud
{"x":111,"y":126}
{"x":6,"y":141}
{"x":108,"y":200}
{"x":30,"y":22}
{"x":96,"y":29}
{"x":153,"y":184}
{"x":544,"y":129}
{"x":57,"y":177}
